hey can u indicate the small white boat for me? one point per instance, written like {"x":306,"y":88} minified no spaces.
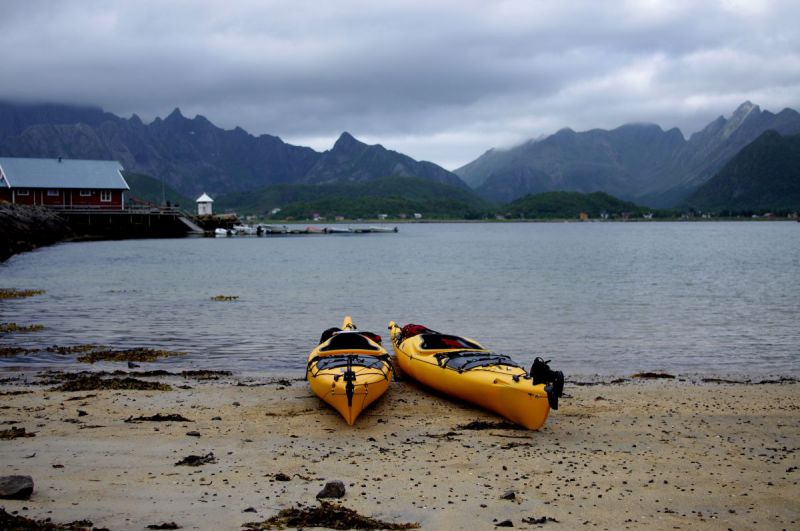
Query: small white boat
{"x":367,"y":230}
{"x":338,"y":230}
{"x":275,"y":229}
{"x":244,"y":229}
{"x":221,"y":232}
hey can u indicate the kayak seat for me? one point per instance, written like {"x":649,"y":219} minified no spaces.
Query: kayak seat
{"x":349,"y":341}
{"x":446,"y":342}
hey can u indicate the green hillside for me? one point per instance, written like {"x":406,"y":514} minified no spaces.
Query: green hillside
{"x":367,"y":199}
{"x":146,"y":188}
{"x":764,"y":176}
{"x":567,"y":205}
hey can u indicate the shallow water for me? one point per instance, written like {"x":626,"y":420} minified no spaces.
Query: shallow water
{"x":596,"y":298}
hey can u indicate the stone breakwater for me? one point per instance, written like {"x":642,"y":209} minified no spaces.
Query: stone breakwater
{"x":24,"y":228}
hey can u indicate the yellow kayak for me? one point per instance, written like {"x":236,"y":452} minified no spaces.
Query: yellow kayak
{"x":349,"y":369}
{"x":462,"y":368}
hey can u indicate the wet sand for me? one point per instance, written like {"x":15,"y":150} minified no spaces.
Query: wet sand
{"x":650,"y":454}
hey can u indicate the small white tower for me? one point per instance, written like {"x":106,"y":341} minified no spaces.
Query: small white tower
{"x":204,"y":205}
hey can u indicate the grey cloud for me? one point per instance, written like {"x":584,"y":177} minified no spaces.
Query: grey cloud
{"x":439,"y":80}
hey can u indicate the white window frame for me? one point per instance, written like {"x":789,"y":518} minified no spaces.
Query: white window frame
{"x":86,"y":193}
{"x":105,"y":196}
{"x":23,"y":193}
{"x":53,"y":193}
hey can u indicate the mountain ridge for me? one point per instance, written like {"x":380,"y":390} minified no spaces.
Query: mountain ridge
{"x":192,"y":154}
{"x":639,"y":162}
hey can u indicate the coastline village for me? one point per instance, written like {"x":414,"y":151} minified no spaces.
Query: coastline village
{"x":95,"y":200}
{"x":93,"y":195}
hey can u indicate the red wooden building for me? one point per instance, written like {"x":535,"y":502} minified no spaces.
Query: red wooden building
{"x":63,"y":183}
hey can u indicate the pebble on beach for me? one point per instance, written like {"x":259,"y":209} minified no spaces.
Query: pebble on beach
{"x":332,"y":489}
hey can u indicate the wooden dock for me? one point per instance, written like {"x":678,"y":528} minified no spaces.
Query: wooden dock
{"x":129,"y":222}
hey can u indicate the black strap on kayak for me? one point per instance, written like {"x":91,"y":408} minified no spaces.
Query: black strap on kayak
{"x":349,"y":378}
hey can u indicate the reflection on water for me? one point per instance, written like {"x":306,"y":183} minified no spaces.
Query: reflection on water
{"x":597,"y":298}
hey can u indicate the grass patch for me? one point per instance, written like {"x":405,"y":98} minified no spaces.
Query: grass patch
{"x":158,"y":417}
{"x":486,"y":425}
{"x":13,"y":351}
{"x":325,"y":515}
{"x":13,"y":293}
{"x":75,"y":349}
{"x":15,"y":433}
{"x":7,"y":328}
{"x":653,"y":376}
{"x":11,"y":521}
{"x":95,"y":383}
{"x":133,"y":354}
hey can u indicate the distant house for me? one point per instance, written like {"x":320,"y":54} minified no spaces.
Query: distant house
{"x":417,"y":215}
{"x":63,"y":183}
{"x":204,"y":205}
{"x":584,"y":216}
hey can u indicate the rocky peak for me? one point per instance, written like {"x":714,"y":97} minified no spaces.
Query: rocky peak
{"x":739,"y":116}
{"x":347,"y":142}
{"x":175,"y":116}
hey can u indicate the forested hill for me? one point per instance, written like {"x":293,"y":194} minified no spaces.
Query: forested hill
{"x":367,"y":199}
{"x":763,"y":176}
{"x":569,"y":205}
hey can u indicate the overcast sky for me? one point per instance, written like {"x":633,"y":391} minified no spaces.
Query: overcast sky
{"x":438,"y":80}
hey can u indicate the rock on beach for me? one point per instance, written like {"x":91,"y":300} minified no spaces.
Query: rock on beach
{"x":16,"y":487}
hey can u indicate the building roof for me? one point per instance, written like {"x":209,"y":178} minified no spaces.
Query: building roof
{"x":68,"y":173}
{"x":204,"y":199}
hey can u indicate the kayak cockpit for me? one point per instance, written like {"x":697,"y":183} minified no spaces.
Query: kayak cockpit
{"x":466,"y":360}
{"x":359,"y":360}
{"x":435,"y":341}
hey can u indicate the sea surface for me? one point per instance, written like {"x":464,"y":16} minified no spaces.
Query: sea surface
{"x":608,"y":299}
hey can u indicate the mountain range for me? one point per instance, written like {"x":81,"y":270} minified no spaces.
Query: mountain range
{"x":194,"y":155}
{"x":638,"y":162}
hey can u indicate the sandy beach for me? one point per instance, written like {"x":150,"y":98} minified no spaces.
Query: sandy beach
{"x":638,"y":454}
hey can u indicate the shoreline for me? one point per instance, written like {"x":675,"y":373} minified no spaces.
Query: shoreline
{"x":26,"y":234}
{"x":645,"y":453}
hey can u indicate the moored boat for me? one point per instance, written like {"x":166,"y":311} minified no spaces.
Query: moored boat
{"x":245,"y":230}
{"x":338,"y":230}
{"x":349,"y":369}
{"x":367,"y":230}
{"x":382,"y":229}
{"x":462,"y":368}
{"x":275,"y":229}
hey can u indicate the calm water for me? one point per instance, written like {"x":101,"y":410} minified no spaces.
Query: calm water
{"x":596,"y":298}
